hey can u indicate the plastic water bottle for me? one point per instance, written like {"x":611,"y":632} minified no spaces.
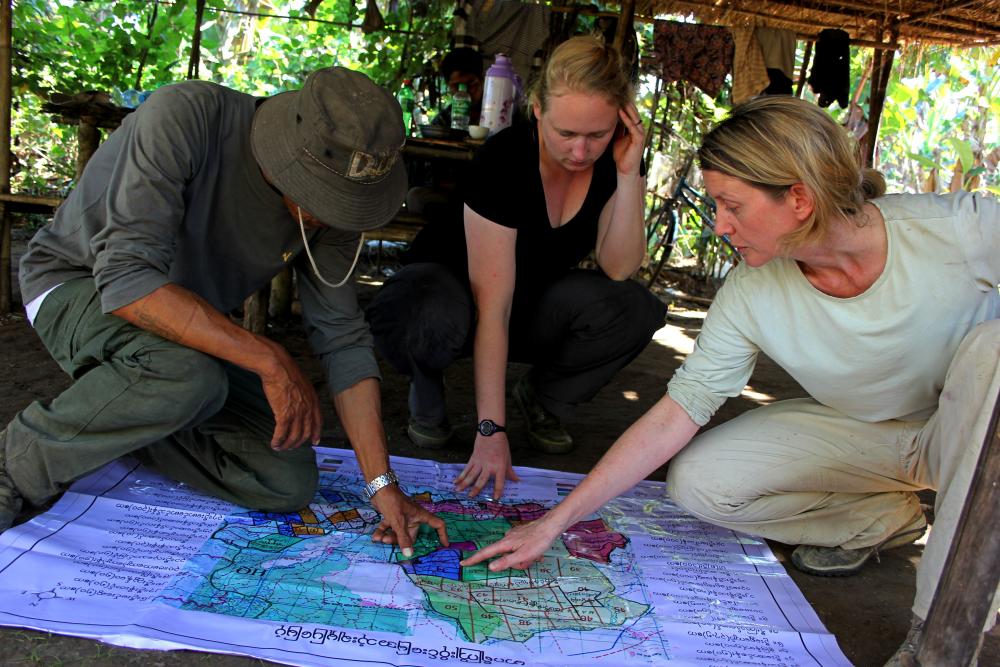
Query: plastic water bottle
{"x":499,"y":95}
{"x":461,"y":101}
{"x":407,"y":101}
{"x":129,"y":98}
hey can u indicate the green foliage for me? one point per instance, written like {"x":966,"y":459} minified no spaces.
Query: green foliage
{"x":73,"y":45}
{"x":940,"y":128}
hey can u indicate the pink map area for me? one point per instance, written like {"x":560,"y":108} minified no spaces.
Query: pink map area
{"x":592,"y":540}
{"x":489,"y":510}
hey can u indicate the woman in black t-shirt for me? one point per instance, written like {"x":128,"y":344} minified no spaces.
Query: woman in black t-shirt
{"x":540,"y":197}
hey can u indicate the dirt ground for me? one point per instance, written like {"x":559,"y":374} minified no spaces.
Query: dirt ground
{"x":868,"y":614}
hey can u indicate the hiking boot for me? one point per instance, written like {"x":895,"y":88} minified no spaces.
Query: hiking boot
{"x":430,"y":437}
{"x":10,"y":499}
{"x":544,"y":429}
{"x":840,"y":562}
{"x":906,"y":654}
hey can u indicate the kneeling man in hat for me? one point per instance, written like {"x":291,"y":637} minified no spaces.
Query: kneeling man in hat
{"x":196,"y":202}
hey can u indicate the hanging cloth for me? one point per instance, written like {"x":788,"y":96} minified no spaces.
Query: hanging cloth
{"x":373,"y":19}
{"x":749,"y":71}
{"x":516,"y":29}
{"x":830,"y":77}
{"x":701,"y":54}
{"x":778,"y":47}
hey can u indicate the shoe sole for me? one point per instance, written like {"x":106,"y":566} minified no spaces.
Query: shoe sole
{"x":427,"y":442}
{"x":546,"y":446}
{"x":551,"y":447}
{"x":906,"y":536}
{"x":834,"y":573}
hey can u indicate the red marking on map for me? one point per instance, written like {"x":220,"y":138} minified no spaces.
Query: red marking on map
{"x":592,"y":540}
{"x":491,"y":510}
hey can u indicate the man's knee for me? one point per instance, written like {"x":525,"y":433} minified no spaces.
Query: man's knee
{"x":288,"y":486}
{"x":186,"y":385}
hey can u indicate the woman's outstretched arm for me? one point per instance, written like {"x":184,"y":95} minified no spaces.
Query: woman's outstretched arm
{"x":650,"y":442}
{"x":491,"y":275}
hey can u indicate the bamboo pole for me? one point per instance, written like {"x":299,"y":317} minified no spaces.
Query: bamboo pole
{"x":971,"y":573}
{"x":806,"y":58}
{"x":6,"y":286}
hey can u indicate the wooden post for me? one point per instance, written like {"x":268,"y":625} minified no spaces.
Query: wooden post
{"x":625,"y":20}
{"x":88,"y":138}
{"x":972,"y":570}
{"x":255,"y":310}
{"x":194,"y":62}
{"x":281,"y":294}
{"x":881,"y":69}
{"x":6,"y":286}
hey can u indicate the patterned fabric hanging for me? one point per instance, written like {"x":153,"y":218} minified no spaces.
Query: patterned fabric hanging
{"x":701,"y":54}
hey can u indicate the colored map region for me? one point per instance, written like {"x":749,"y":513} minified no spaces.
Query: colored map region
{"x":320,"y":566}
{"x":559,"y":593}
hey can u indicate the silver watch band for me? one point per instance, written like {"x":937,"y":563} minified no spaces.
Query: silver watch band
{"x":383,"y":480}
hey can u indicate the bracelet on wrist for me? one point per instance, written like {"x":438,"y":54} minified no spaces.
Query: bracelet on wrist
{"x":380,"y":482}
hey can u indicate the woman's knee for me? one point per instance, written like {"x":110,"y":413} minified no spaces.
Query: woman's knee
{"x":642,"y":310}
{"x":622,"y":311}
{"x":982,"y":342}
{"x":687,"y":484}
{"x":701,"y":483}
{"x":422,"y":314}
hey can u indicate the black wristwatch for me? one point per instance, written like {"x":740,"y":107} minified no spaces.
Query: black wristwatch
{"x":488,"y":427}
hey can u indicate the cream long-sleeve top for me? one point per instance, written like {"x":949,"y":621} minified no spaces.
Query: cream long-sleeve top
{"x":877,"y":356}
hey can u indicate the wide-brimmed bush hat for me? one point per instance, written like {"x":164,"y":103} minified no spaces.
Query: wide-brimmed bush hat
{"x":333,"y":148}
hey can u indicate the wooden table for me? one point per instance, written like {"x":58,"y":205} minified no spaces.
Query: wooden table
{"x":440,"y":149}
{"x":90,"y":111}
{"x":405,"y":225}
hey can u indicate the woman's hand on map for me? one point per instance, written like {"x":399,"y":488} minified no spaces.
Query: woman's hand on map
{"x":523,"y":545}
{"x":490,"y":460}
{"x":401,"y":519}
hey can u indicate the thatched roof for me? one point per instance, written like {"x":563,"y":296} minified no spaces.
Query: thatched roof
{"x":954,"y":22}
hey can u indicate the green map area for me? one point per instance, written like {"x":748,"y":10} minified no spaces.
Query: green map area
{"x":319,"y":566}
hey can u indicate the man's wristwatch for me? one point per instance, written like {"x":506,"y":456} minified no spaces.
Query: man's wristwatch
{"x":488,"y":427}
{"x":383,"y":480}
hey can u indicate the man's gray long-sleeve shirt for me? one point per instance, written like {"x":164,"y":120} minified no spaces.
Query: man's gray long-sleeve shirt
{"x":175,"y":196}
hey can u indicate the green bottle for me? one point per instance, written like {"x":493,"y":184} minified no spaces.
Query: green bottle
{"x":461,"y":101}
{"x":408,"y":102}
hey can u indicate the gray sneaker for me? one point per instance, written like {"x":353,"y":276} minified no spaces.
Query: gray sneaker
{"x":544,"y":429}
{"x":430,"y":437}
{"x":10,"y":499}
{"x":840,"y":562}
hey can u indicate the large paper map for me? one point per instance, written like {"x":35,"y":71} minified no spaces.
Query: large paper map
{"x":132,"y":559}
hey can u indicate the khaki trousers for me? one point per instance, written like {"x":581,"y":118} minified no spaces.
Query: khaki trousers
{"x":801,"y":473}
{"x":197,"y":419}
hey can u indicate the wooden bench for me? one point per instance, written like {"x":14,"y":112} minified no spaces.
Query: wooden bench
{"x":29,"y":203}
